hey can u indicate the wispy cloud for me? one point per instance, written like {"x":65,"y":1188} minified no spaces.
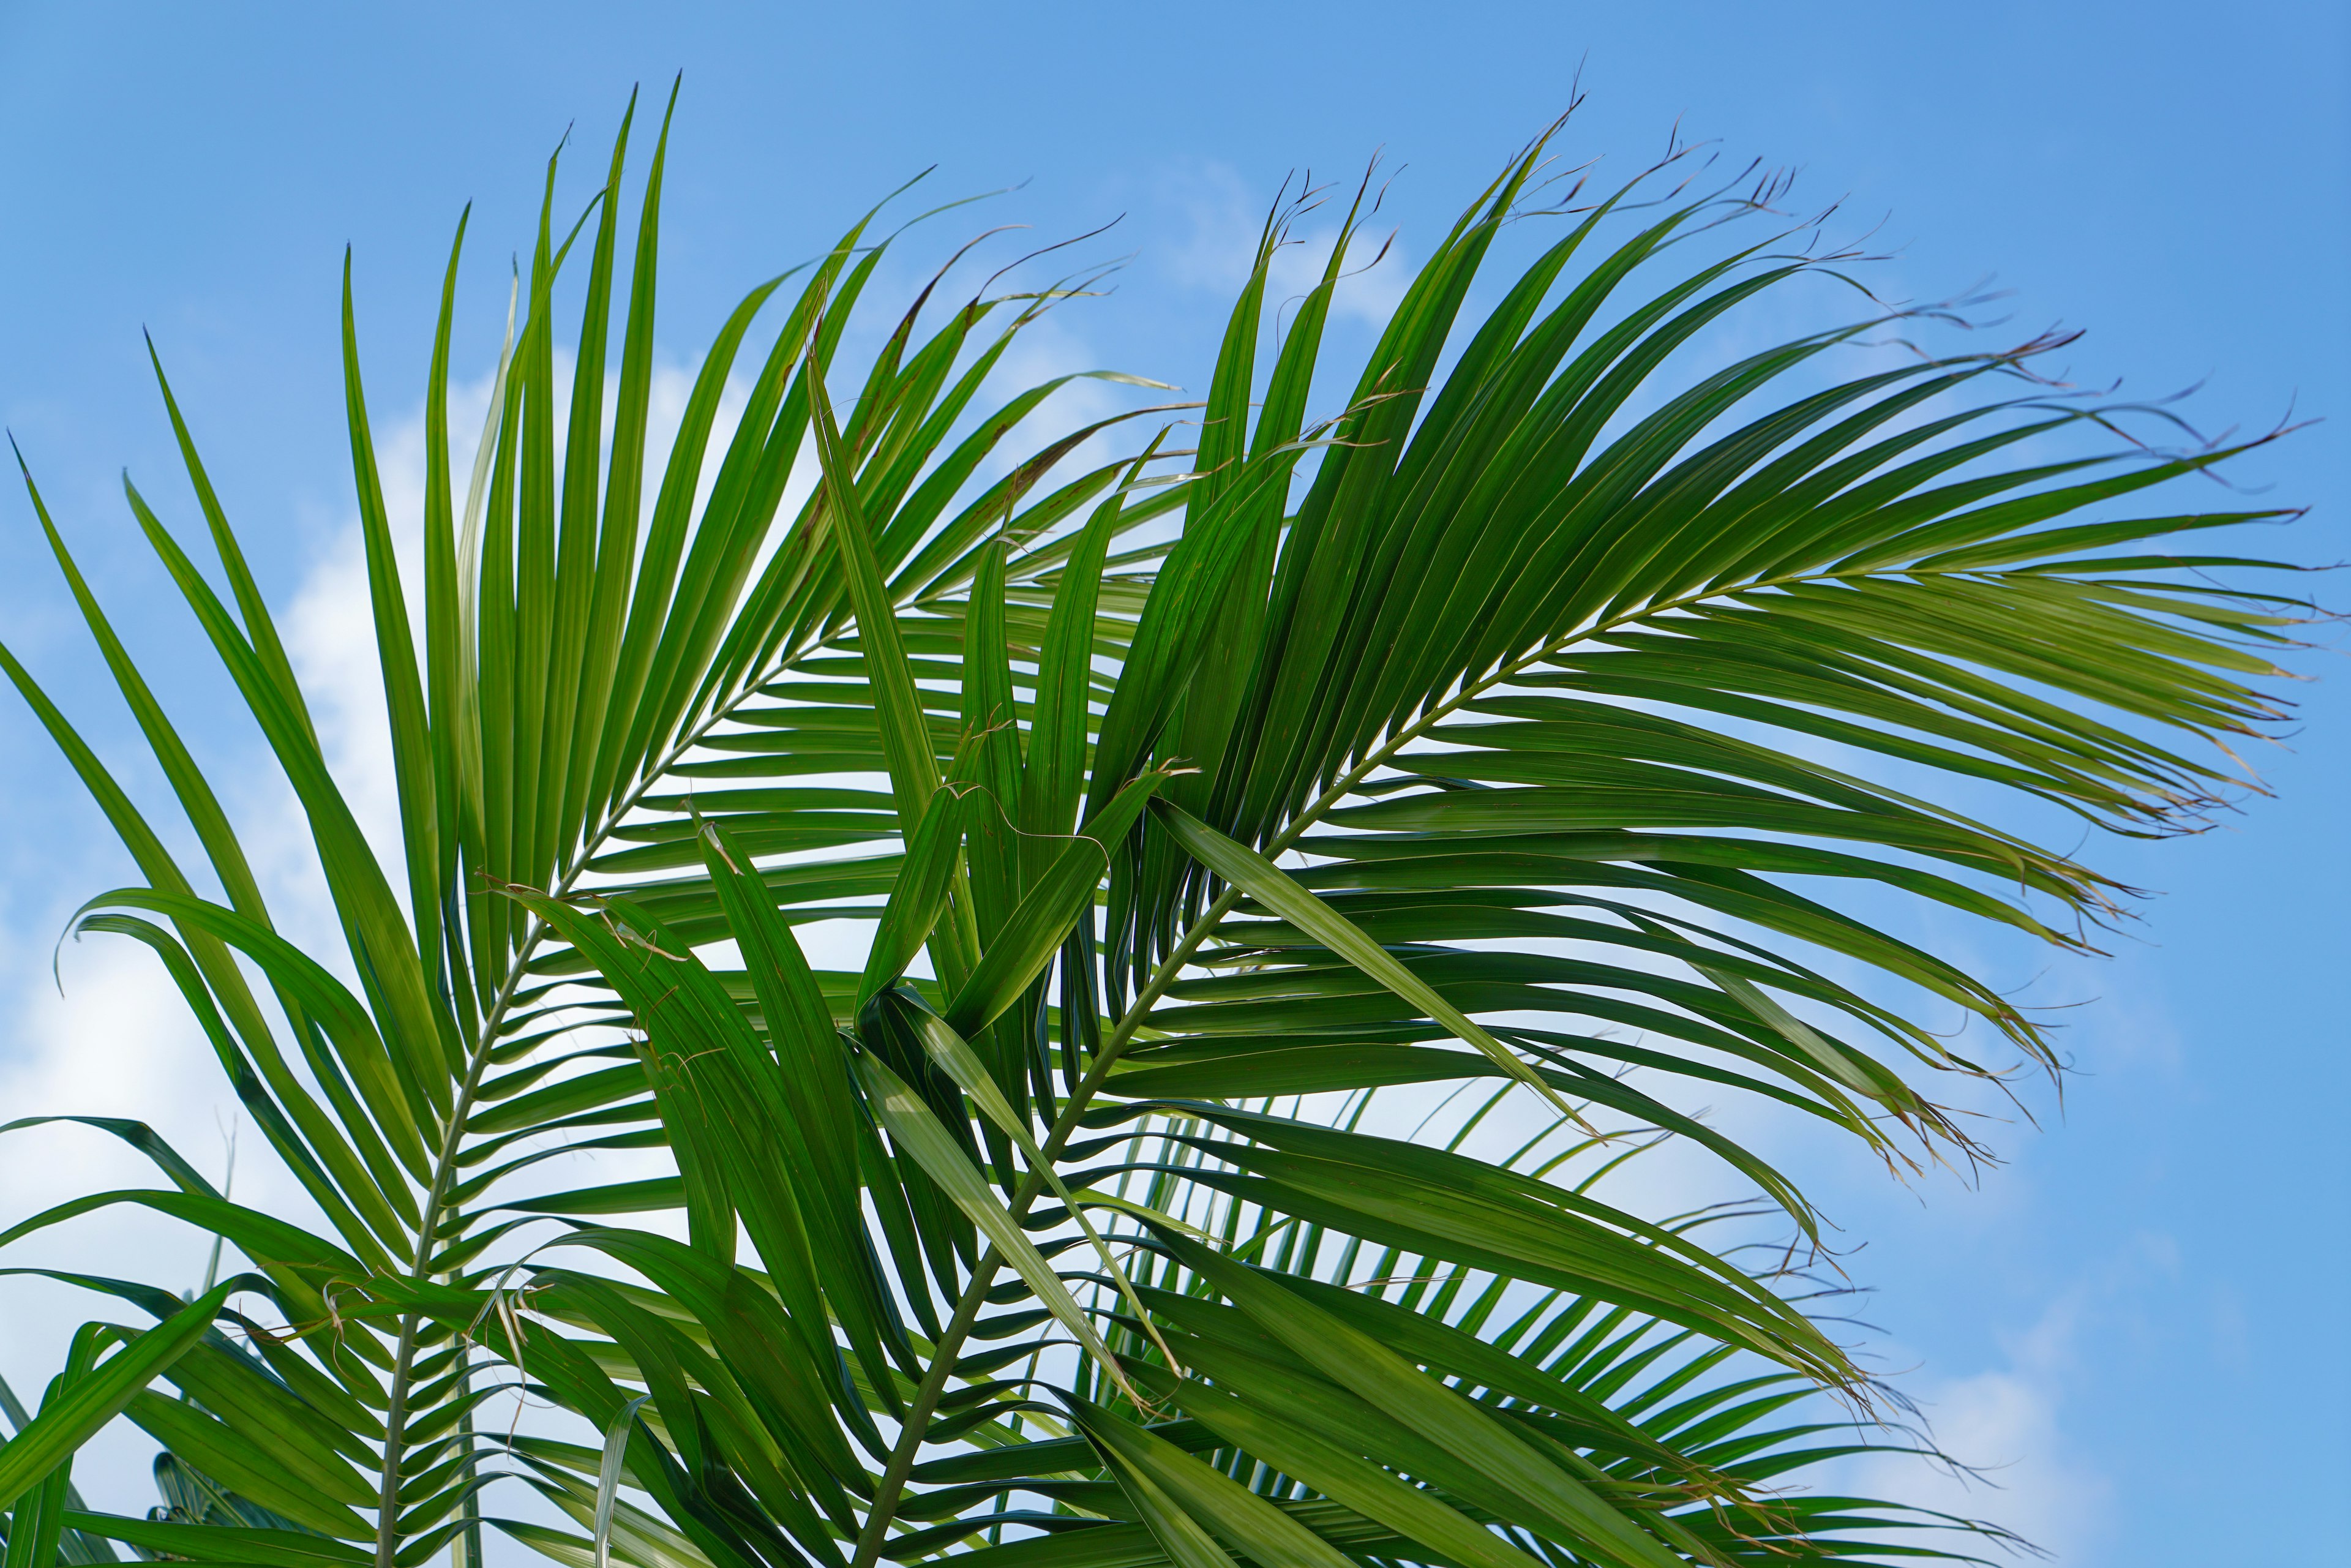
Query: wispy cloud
{"x":2005,"y":1428}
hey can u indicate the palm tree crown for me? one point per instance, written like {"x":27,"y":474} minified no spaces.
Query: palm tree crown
{"x":1527,"y":726}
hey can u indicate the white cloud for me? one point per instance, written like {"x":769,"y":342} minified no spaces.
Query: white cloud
{"x":118,"y":1042}
{"x":2005,"y":1425}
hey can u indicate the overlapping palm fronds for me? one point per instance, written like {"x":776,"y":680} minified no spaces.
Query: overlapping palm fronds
{"x":1535,"y":720}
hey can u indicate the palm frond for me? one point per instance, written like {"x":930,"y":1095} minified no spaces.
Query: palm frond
{"x":1540,"y":723}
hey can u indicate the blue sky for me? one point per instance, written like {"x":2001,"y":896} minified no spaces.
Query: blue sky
{"x":2142,"y":1309}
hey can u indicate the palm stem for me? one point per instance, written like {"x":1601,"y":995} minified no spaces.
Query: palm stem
{"x":926,"y":1398}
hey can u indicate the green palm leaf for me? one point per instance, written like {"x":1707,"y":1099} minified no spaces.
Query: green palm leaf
{"x":1529,"y":724}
